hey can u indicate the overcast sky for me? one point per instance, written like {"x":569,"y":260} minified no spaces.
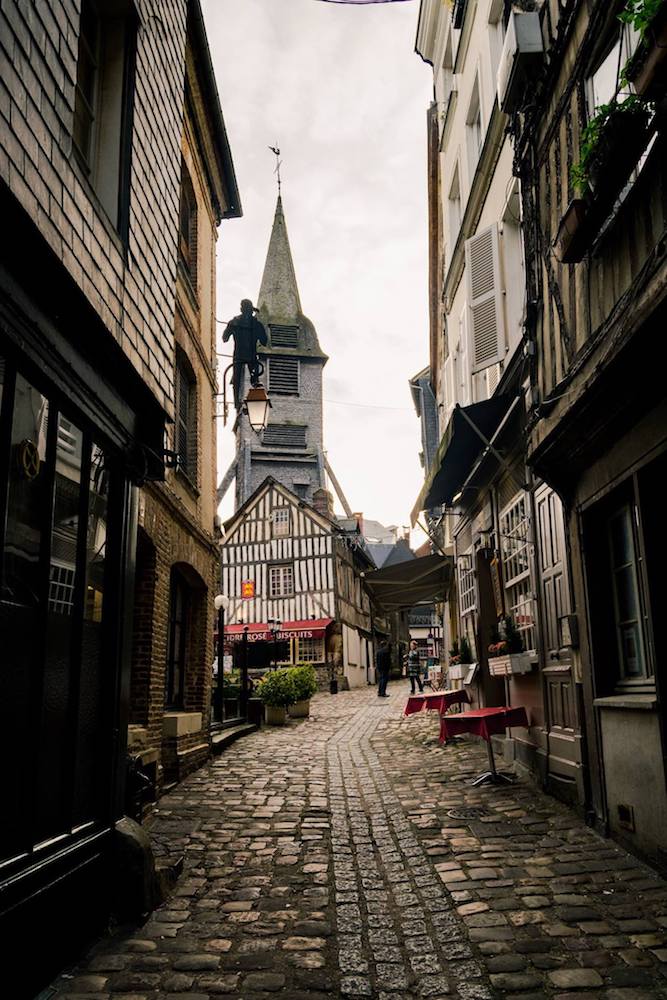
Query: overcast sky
{"x":340,"y":89}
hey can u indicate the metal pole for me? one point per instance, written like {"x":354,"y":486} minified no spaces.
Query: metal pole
{"x":244,"y":675}
{"x":221,"y":657}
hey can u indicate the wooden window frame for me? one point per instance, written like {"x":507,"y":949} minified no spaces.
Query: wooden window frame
{"x":276,"y":521}
{"x":282,"y":568}
{"x":185,"y":417}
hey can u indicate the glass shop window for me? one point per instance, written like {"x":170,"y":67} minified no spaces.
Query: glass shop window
{"x":624,"y":560}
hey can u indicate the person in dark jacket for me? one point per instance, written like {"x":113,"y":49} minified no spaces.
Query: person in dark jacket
{"x":383,"y":666}
{"x":414,"y":668}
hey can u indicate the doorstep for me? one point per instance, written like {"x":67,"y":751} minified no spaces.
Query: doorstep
{"x":225,"y":737}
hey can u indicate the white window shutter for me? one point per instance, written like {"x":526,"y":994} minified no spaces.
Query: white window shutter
{"x":463,"y":389}
{"x":450,"y":386}
{"x":493,"y":378}
{"x":487,"y":321}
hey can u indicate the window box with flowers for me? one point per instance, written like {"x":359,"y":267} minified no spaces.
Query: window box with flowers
{"x":506,"y":652}
{"x":646,"y":69}
{"x":611,"y":145}
{"x":460,"y":660}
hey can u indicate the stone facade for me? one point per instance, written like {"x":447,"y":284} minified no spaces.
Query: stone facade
{"x":299,"y":464}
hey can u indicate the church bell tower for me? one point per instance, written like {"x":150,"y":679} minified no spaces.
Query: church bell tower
{"x":291,"y":447}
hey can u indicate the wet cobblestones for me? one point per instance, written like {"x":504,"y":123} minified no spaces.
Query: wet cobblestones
{"x":322,"y":860}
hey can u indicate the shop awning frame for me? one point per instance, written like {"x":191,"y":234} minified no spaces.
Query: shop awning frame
{"x":407,"y":584}
{"x":470,"y":434}
{"x":310,"y":628}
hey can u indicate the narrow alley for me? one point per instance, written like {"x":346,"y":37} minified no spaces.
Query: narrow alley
{"x":349,"y":855}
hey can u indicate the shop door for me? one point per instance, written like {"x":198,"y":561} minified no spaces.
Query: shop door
{"x":58,"y":536}
{"x":561,"y":716}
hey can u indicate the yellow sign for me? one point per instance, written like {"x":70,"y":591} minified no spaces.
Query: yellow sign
{"x":247,"y":588}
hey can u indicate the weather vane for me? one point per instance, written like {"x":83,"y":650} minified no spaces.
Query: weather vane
{"x":276,"y":153}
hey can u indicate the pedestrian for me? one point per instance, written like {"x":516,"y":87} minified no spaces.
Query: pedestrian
{"x":414,"y":668}
{"x":382,"y":667}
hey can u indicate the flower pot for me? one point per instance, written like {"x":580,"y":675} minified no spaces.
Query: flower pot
{"x":622,"y":141}
{"x":275,"y":715}
{"x":511,"y":663}
{"x":457,"y":671}
{"x":300,"y":710}
{"x":647,"y":69}
{"x":333,"y":687}
{"x":573,"y":236}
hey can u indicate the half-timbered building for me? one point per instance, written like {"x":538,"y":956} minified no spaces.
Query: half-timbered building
{"x":595,"y":228}
{"x":293,"y":579}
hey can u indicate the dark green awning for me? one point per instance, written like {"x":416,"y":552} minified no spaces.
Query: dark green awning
{"x":415,"y":581}
{"x":458,"y":450}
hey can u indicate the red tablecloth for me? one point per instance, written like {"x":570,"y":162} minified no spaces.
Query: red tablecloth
{"x":484,"y":722}
{"x":440,"y":701}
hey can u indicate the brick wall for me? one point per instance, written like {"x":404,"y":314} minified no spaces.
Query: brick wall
{"x":132,"y":288}
{"x":171,"y":538}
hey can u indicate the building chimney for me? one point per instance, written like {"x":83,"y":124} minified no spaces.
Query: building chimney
{"x":360,"y":521}
{"x":323,"y":502}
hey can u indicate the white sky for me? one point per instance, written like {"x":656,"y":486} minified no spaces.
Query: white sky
{"x":343,"y":94}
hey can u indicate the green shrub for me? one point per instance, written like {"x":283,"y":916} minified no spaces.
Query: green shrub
{"x":277,"y":689}
{"x":305,"y":681}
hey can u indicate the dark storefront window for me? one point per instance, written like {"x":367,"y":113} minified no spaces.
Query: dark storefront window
{"x":178,"y":629}
{"x":57,"y":668}
{"x":624,"y":559}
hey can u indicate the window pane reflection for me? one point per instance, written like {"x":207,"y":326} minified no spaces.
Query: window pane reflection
{"x":26,"y":497}
{"x":54,"y":773}
{"x":91,"y":730}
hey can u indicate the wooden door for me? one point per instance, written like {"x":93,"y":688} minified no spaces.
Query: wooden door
{"x":563,"y":735}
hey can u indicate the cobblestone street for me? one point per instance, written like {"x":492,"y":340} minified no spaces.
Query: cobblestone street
{"x":323,"y":859}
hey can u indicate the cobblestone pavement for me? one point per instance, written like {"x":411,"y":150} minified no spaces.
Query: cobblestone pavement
{"x":323,"y":860}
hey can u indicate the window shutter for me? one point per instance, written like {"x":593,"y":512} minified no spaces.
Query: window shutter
{"x":450,"y":387}
{"x":284,"y":336}
{"x":285,"y":436}
{"x":284,"y":375}
{"x":463,"y":389}
{"x":487,"y":323}
{"x":493,"y":378}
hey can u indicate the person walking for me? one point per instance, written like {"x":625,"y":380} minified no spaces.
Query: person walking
{"x":383,"y":666}
{"x":414,"y":667}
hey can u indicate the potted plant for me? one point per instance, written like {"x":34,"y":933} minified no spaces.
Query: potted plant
{"x":277,"y":691}
{"x":506,"y":651}
{"x":305,"y":686}
{"x":646,"y":68}
{"x":460,"y":657}
{"x":609,"y":148}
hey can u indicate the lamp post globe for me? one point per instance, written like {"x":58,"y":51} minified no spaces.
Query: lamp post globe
{"x":257,"y":405}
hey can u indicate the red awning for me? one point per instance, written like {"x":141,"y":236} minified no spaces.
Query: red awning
{"x":310,"y":628}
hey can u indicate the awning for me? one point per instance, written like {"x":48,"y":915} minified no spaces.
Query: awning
{"x":309,"y":628}
{"x":416,"y":581}
{"x":461,"y":444}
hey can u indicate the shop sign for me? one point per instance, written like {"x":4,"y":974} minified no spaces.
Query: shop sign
{"x":247,"y":588}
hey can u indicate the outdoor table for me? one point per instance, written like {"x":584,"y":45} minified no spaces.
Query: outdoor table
{"x":440,"y":701}
{"x":484,"y":722}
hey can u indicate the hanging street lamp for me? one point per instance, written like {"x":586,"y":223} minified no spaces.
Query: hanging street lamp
{"x":257,"y":405}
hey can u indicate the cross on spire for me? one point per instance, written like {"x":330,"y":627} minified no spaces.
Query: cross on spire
{"x":276,"y":152}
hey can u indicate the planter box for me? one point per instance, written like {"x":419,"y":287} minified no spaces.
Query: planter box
{"x":573,"y":236}
{"x":275,"y":716}
{"x":513,"y":663}
{"x":300,"y":710}
{"x":457,"y":671}
{"x":648,"y":67}
{"x":623,"y":139}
